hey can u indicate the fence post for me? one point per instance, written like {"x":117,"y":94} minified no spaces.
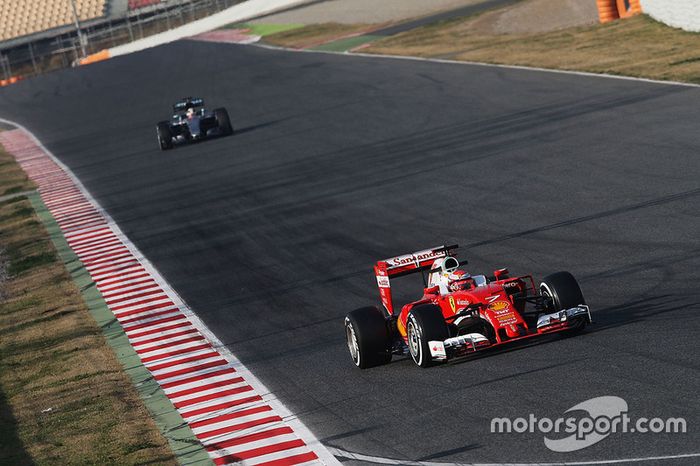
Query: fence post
{"x":111,"y":33}
{"x":76,"y":20}
{"x":181,"y":9}
{"x":5,"y":63}
{"x":138,"y":21}
{"x":31,"y":55}
{"x":76,"y":53}
{"x":128,"y":27}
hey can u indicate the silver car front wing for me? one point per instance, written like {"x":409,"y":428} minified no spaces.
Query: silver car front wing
{"x":564,"y":315}
{"x":440,"y":350}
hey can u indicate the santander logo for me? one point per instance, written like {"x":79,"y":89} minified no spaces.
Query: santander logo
{"x":412,"y":258}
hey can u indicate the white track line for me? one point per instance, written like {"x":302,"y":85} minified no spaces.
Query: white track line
{"x":380,"y":460}
{"x":476,"y":63}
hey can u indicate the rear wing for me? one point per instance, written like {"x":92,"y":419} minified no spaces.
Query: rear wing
{"x":186,"y":103}
{"x":406,"y":264}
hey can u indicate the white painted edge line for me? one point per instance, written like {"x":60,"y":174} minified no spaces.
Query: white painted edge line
{"x":482,"y":64}
{"x":391,"y":461}
{"x":324,"y":455}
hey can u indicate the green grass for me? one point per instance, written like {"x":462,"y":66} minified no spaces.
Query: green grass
{"x":12,"y":178}
{"x":314,"y":35}
{"x":349,"y":43}
{"x":264,"y":29}
{"x":19,"y":212}
{"x":13,"y":190}
{"x":24,"y":264}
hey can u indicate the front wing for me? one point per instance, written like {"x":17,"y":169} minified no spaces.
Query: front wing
{"x":463,"y":345}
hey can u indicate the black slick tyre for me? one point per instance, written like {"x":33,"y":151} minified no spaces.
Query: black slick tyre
{"x":425,"y":323}
{"x":165,"y":136}
{"x":367,"y":337}
{"x":565,"y":293}
{"x":223,"y":121}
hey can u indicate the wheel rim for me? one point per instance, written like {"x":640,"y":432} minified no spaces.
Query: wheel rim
{"x":546,"y":294}
{"x":413,"y":341}
{"x":544,"y":291}
{"x":353,"y":346}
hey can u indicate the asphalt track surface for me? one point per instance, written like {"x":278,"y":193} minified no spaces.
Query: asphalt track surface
{"x":338,"y":161}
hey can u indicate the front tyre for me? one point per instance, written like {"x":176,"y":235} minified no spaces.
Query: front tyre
{"x":564,"y":292}
{"x":223,"y":121}
{"x":424,"y":323}
{"x":165,"y":135}
{"x":367,"y":337}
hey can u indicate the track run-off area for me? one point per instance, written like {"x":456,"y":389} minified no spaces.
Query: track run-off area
{"x":340,"y":160}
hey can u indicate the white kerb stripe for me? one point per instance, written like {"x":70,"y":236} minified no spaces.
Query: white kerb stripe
{"x":274,"y":440}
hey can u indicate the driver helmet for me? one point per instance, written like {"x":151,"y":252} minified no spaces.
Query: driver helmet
{"x":449,"y":277}
{"x":190,"y":112}
{"x":454,"y":278}
{"x":458,"y":280}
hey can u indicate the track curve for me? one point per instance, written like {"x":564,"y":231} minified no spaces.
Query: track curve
{"x":269,"y":235}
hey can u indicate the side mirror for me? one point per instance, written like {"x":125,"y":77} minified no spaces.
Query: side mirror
{"x":500,"y":274}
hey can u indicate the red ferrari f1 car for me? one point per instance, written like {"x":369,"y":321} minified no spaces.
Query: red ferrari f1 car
{"x":459,"y":314}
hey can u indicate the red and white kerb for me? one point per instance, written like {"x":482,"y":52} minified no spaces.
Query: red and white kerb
{"x":234,"y":422}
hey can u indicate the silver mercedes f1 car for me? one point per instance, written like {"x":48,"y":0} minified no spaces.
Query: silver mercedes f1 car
{"x":191,"y":122}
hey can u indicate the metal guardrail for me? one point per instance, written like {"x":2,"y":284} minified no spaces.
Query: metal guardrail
{"x":61,"y":47}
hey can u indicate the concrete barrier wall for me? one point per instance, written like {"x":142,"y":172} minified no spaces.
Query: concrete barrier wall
{"x":684,"y":14}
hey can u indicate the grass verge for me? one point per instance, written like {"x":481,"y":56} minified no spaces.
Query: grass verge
{"x":64,"y":398}
{"x":314,"y":35}
{"x":264,"y":29}
{"x":12,"y":178}
{"x":637,"y":46}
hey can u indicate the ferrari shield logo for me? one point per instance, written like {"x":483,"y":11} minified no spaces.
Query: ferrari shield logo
{"x":452,"y":304}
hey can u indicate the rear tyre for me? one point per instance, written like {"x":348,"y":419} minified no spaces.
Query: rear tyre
{"x":223,"y":121}
{"x":165,"y":136}
{"x":425,"y":323}
{"x":565,"y":293}
{"x":367,"y":337}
